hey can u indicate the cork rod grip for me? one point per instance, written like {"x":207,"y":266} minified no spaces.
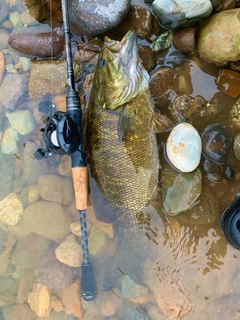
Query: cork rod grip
{"x":80,"y":183}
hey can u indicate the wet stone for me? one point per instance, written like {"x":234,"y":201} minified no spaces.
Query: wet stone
{"x":213,"y":171}
{"x":39,"y":300}
{"x":4,"y":10}
{"x":23,"y":311}
{"x":216,"y":143}
{"x":6,"y":174}
{"x":148,"y":57}
{"x":21,"y":121}
{"x":8,"y":290}
{"x":183,"y":147}
{"x":11,"y":95}
{"x":213,"y":44}
{"x":206,"y":211}
{"x":178,"y":13}
{"x":9,"y":141}
{"x":193,"y":108}
{"x":184,"y":39}
{"x":180,"y":190}
{"x":55,"y":188}
{"x":72,"y":301}
{"x":37,"y":41}
{"x":29,"y":250}
{"x":2,"y":66}
{"x":11,"y":209}
{"x":54,"y":274}
{"x":47,"y":219}
{"x":229,"y":82}
{"x":41,"y":81}
{"x":161,"y":84}
{"x":70,"y":252}
{"x":91,"y":18}
{"x":4,"y":35}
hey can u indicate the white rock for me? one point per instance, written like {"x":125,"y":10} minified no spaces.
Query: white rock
{"x":183,"y":147}
{"x":70,"y":252}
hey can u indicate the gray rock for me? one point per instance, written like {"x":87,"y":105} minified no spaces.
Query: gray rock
{"x":13,"y":90}
{"x":4,"y":35}
{"x":4,"y":10}
{"x":29,"y":164}
{"x":175,"y":13}
{"x":94,"y":17}
{"x":8,"y":290}
{"x":6,"y":175}
{"x":3,"y":238}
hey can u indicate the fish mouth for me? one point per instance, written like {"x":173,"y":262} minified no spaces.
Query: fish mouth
{"x":126,"y":45}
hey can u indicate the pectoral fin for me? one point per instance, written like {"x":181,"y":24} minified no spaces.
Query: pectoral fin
{"x":126,"y":122}
{"x":161,"y":123}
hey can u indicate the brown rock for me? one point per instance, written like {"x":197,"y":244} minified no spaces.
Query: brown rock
{"x":2,"y":66}
{"x":134,"y":19}
{"x":53,"y":273}
{"x":42,"y":82}
{"x":29,"y":250}
{"x":37,"y":42}
{"x":56,"y":304}
{"x":39,"y":300}
{"x":109,"y":302}
{"x":229,"y":82}
{"x":162,"y":85}
{"x":184,"y":39}
{"x":23,"y":311}
{"x":25,"y":286}
{"x":71,"y":299}
{"x":65,"y":168}
{"x":55,"y":188}
{"x":148,"y":57}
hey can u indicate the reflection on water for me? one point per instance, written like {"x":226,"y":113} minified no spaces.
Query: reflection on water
{"x":185,"y":269}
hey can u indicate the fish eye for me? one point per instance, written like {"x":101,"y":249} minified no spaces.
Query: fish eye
{"x":102,"y":63}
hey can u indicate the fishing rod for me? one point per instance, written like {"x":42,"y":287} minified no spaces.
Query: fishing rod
{"x":63,"y":135}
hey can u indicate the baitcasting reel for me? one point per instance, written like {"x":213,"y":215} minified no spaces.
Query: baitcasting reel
{"x":61,"y":135}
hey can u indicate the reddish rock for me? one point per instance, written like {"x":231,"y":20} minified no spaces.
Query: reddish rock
{"x":184,"y":39}
{"x":140,"y":19}
{"x":37,"y":42}
{"x":229,"y":82}
{"x":148,"y":57}
{"x":72,"y":301}
{"x":162,"y":84}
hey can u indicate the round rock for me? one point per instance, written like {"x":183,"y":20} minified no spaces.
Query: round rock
{"x":94,"y":17}
{"x":183,"y":147}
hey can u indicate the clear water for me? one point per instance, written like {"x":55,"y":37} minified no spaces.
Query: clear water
{"x":190,"y":267}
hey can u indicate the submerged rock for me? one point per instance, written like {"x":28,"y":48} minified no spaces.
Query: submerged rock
{"x":6,"y":175}
{"x":11,"y":209}
{"x":9,"y":141}
{"x":180,"y":190}
{"x":13,"y":89}
{"x":54,"y":274}
{"x":229,"y":82}
{"x":47,"y":219}
{"x":176,"y":13}
{"x":39,"y":300}
{"x":92,"y":18}
{"x":8,"y":290}
{"x":55,"y":188}
{"x":42,"y":82}
{"x":70,"y":252}
{"x":219,"y":37}
{"x":21,"y":121}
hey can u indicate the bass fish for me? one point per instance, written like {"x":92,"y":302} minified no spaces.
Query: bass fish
{"x":123,"y":149}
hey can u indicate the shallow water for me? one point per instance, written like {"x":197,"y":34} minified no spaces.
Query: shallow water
{"x":190,"y":271}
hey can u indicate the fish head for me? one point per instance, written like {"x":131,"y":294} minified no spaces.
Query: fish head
{"x":120,"y":74}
